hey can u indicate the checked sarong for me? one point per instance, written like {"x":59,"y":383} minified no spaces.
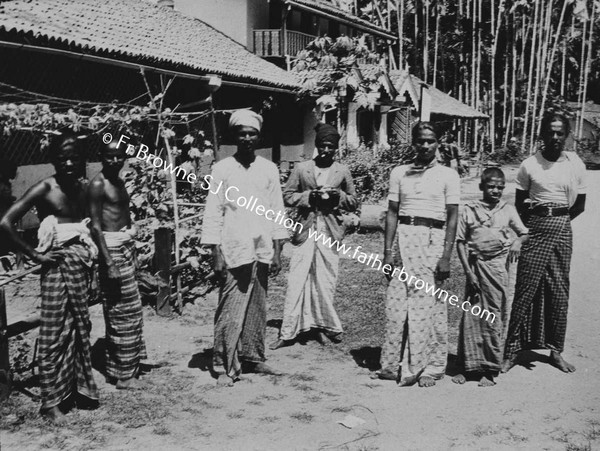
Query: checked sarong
{"x":64,"y":342}
{"x":122,"y":303}
{"x":538,"y":318}
{"x":241,"y":319}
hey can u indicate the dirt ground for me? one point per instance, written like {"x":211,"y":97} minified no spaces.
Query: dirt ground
{"x":180,"y":407}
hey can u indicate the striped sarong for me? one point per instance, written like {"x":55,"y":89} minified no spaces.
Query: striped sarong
{"x":122,"y":304}
{"x":538,"y":318}
{"x":241,"y":319}
{"x":64,"y":342}
{"x":416,"y":333}
{"x":311,"y":288}
{"x":480,"y":342}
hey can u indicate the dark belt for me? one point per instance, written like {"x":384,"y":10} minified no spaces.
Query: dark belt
{"x":419,"y":221}
{"x":543,"y":210}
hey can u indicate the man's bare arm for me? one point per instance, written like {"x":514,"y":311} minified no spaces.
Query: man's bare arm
{"x":95,"y":203}
{"x":391,"y":224}
{"x":520,"y":198}
{"x":17,"y":211}
{"x":578,"y":207}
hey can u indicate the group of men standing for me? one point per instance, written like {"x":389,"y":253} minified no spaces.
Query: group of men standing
{"x":423,"y":215}
{"x":82,"y":222}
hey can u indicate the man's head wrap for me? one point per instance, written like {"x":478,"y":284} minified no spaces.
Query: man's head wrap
{"x":247,"y":118}
{"x":326,"y":133}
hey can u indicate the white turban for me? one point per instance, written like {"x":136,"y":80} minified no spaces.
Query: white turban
{"x":246,"y":118}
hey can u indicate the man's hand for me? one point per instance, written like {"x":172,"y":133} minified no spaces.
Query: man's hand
{"x":314,"y":197}
{"x":334,"y":195}
{"x":51,"y":258}
{"x":473,"y":282}
{"x":276,"y":264}
{"x":112,"y":271}
{"x":514,"y":252}
{"x":388,"y":259}
{"x":442,"y":270}
{"x":218,"y":263}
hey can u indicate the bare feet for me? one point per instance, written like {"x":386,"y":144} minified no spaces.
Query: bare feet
{"x":487,"y":380}
{"x":426,"y":381}
{"x":129,"y":384}
{"x":224,"y":381}
{"x":508,"y":364}
{"x":55,"y":416}
{"x":557,"y":361}
{"x":459,"y":379}
{"x":263,"y":368}
{"x":279,"y":344}
{"x":320,"y":337}
{"x":385,"y":375}
{"x":335,"y":337}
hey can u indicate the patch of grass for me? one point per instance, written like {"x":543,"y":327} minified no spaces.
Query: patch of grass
{"x":235,"y":415}
{"x":161,"y":430}
{"x":578,"y":447}
{"x":594,"y":432}
{"x":255,"y":402}
{"x":268,"y":419}
{"x":482,"y":431}
{"x":314,"y":398}
{"x":302,"y":387}
{"x":302,"y":377}
{"x":302,"y":417}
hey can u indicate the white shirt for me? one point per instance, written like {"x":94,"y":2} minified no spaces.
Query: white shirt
{"x":321,"y":175}
{"x":556,"y":182}
{"x":233,"y":218}
{"x":424,"y":193}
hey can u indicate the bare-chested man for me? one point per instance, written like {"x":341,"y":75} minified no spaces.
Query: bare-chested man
{"x":113,"y":233}
{"x":66,"y":252}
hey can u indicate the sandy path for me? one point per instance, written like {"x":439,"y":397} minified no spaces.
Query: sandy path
{"x":536,"y":408}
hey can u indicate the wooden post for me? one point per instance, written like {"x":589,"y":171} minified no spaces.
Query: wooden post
{"x":213,"y":124}
{"x":5,"y":376}
{"x":163,"y":243}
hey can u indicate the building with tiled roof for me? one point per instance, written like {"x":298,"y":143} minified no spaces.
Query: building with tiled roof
{"x":139,"y":32}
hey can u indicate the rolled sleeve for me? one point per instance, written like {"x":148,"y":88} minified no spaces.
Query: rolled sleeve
{"x":463,"y":221}
{"x":394,"y":189}
{"x":523,"y":181}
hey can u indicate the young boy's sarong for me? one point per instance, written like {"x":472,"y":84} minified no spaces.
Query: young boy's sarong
{"x":416,"y":335}
{"x":487,"y":231}
{"x":122,"y":303}
{"x":64,"y":343}
{"x":539,"y":312}
{"x":311,"y":288}
{"x":241,"y":319}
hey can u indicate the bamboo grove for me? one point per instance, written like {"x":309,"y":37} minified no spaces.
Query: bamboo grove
{"x":510,"y":59}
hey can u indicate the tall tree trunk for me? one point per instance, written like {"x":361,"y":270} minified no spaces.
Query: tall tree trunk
{"x":581,"y":76}
{"x":530,"y":72}
{"x":426,"y":44}
{"x":587,"y":68}
{"x":435,"y":47}
{"x":550,"y":63}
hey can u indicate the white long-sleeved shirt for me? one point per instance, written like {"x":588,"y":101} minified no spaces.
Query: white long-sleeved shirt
{"x":234,"y":218}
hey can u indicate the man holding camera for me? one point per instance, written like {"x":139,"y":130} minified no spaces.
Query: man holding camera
{"x":321,"y":189}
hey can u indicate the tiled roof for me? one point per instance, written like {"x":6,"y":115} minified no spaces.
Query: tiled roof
{"x":328,"y":7}
{"x":441,"y":103}
{"x":139,"y":32}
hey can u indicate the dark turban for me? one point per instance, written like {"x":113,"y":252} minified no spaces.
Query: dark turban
{"x":326,"y":133}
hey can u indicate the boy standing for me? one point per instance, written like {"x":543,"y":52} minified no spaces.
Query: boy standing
{"x":113,"y":233}
{"x":485,"y":247}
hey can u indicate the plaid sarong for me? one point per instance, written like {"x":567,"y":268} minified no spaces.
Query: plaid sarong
{"x":64,"y":342}
{"x":538,"y":318}
{"x":125,"y":345}
{"x":311,"y":288}
{"x":241,"y":319}
{"x":416,"y":334}
{"x":480,"y":342}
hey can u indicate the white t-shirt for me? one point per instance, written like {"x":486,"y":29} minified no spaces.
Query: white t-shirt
{"x":424,"y":193}
{"x":556,"y":182}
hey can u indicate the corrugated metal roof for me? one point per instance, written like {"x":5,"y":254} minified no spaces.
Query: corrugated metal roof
{"x":137,"y":31}
{"x":441,"y":103}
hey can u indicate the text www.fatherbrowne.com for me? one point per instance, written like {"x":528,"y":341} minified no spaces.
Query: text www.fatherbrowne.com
{"x":374,"y":262}
{"x":279,"y":217}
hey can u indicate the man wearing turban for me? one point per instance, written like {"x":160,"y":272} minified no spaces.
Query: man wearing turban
{"x":244,"y":245}
{"x":321,"y":189}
